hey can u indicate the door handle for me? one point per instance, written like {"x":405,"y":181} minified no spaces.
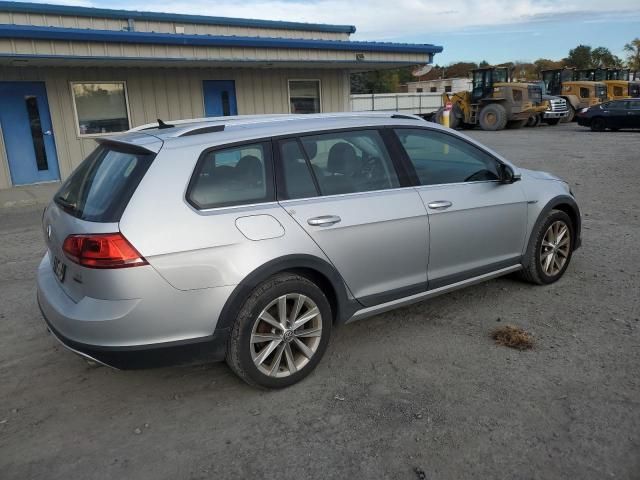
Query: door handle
{"x":439,"y":205}
{"x":324,"y":220}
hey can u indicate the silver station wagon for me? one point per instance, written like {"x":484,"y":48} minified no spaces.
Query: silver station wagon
{"x":251,"y":238}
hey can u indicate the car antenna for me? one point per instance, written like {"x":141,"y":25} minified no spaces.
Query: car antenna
{"x":161,"y":124}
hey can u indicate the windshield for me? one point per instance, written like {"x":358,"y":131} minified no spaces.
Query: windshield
{"x":100,"y":188}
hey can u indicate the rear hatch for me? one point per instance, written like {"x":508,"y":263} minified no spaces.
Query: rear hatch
{"x":89,"y":205}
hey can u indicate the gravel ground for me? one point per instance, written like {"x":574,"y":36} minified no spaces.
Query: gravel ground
{"x":421,"y":392}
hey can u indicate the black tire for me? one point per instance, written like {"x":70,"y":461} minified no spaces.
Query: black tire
{"x":531,"y":121}
{"x":239,"y":348}
{"x":598,"y":124}
{"x":552,"y":121}
{"x":493,"y":117}
{"x":455,"y":116}
{"x":572,"y":115}
{"x":515,"y":124}
{"x":533,"y":271}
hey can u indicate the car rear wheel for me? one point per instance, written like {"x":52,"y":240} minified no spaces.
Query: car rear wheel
{"x":281,"y":332}
{"x":598,"y":124}
{"x":550,"y":249}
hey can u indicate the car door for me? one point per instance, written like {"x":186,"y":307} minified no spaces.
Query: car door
{"x":477,"y":224}
{"x":344,"y":190}
{"x":633,"y":114}
{"x":616,"y":113}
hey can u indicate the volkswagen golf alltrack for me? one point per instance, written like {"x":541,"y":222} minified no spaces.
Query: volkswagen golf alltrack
{"x":251,"y":238}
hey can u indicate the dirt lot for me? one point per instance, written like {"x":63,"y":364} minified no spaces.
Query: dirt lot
{"x":421,"y":389}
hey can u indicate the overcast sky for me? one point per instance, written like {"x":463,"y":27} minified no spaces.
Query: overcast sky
{"x":492,"y":30}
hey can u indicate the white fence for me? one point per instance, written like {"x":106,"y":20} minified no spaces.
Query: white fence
{"x":414,"y":103}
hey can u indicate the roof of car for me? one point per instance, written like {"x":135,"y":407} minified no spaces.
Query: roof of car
{"x":219,"y":130}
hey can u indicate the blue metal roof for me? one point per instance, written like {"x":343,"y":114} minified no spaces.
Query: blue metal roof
{"x":112,"y":36}
{"x":40,"y":8}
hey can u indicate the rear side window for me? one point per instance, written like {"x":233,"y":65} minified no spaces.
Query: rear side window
{"x":439,"y":158}
{"x":101,"y":187}
{"x":232,"y":176}
{"x":350,"y":162}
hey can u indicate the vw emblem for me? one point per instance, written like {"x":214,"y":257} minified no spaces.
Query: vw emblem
{"x":49,"y":230}
{"x":288,"y":336}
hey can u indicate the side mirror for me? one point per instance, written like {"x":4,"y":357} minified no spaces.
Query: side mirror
{"x":507,"y":175}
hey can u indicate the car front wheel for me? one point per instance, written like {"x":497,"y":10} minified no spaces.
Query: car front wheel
{"x":281,"y":332}
{"x":550,"y":249}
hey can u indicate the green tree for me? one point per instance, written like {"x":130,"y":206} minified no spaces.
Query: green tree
{"x":579,"y":57}
{"x":546,"y":64}
{"x":633,"y":50}
{"x":603,"y":58}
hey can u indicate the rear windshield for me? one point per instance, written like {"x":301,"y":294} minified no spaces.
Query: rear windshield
{"x":100,"y":188}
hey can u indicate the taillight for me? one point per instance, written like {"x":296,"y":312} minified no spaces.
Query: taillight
{"x":106,"y":250}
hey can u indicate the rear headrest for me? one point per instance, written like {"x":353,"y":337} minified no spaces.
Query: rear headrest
{"x":250,"y":167}
{"x":343,"y":159}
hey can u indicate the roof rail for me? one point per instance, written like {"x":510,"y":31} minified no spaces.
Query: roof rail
{"x":201,"y":130}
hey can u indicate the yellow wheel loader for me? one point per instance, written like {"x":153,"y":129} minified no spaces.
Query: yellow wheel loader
{"x":564,"y":83}
{"x":493,"y":103}
{"x":617,"y":81}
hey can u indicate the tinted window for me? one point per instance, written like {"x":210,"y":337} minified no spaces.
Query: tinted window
{"x":100,"y":188}
{"x":439,"y":158}
{"x":296,"y":175}
{"x":616,"y":105}
{"x":635,"y":105}
{"x":584,"y":92}
{"x":349,"y":162}
{"x":232,"y":176}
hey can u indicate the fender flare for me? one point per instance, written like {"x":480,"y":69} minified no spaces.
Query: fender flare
{"x":551,"y":205}
{"x":345,"y":307}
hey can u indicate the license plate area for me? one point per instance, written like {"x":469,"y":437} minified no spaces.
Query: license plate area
{"x":59,"y":269}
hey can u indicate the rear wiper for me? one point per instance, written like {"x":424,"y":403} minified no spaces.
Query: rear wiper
{"x":67,"y":205}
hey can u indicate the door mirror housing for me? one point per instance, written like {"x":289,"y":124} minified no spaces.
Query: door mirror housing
{"x":507,"y":175}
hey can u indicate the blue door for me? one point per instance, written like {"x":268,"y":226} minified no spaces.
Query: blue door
{"x":28,"y":136}
{"x":219,"y":98}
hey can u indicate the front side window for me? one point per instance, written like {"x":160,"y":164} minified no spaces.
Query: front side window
{"x":101,"y":107}
{"x":232,"y":176}
{"x":304,"y":96}
{"x":617,"y":91}
{"x":349,"y":162}
{"x":439,"y":158}
{"x":584,"y":92}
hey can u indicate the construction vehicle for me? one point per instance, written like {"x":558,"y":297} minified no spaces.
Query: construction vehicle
{"x":617,"y":81}
{"x":493,"y":103}
{"x":562,"y":82}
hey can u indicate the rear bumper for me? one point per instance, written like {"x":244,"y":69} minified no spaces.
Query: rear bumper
{"x":206,"y":349}
{"x":166,"y":327}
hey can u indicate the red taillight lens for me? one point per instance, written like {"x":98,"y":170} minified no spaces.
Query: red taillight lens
{"x":107,"y":250}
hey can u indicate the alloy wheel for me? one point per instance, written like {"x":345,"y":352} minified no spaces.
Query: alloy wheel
{"x":286,"y":335}
{"x":555,"y":248}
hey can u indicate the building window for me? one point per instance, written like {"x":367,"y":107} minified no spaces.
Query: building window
{"x":304,"y":96}
{"x":433,"y":89}
{"x":447,"y":88}
{"x":419,"y":90}
{"x":100,"y":107}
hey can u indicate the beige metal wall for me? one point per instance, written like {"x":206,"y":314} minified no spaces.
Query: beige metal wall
{"x":168,"y":94}
{"x":99,"y":23}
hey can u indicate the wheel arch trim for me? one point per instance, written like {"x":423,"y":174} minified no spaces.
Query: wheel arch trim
{"x":344,"y":305}
{"x":571,"y":209}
